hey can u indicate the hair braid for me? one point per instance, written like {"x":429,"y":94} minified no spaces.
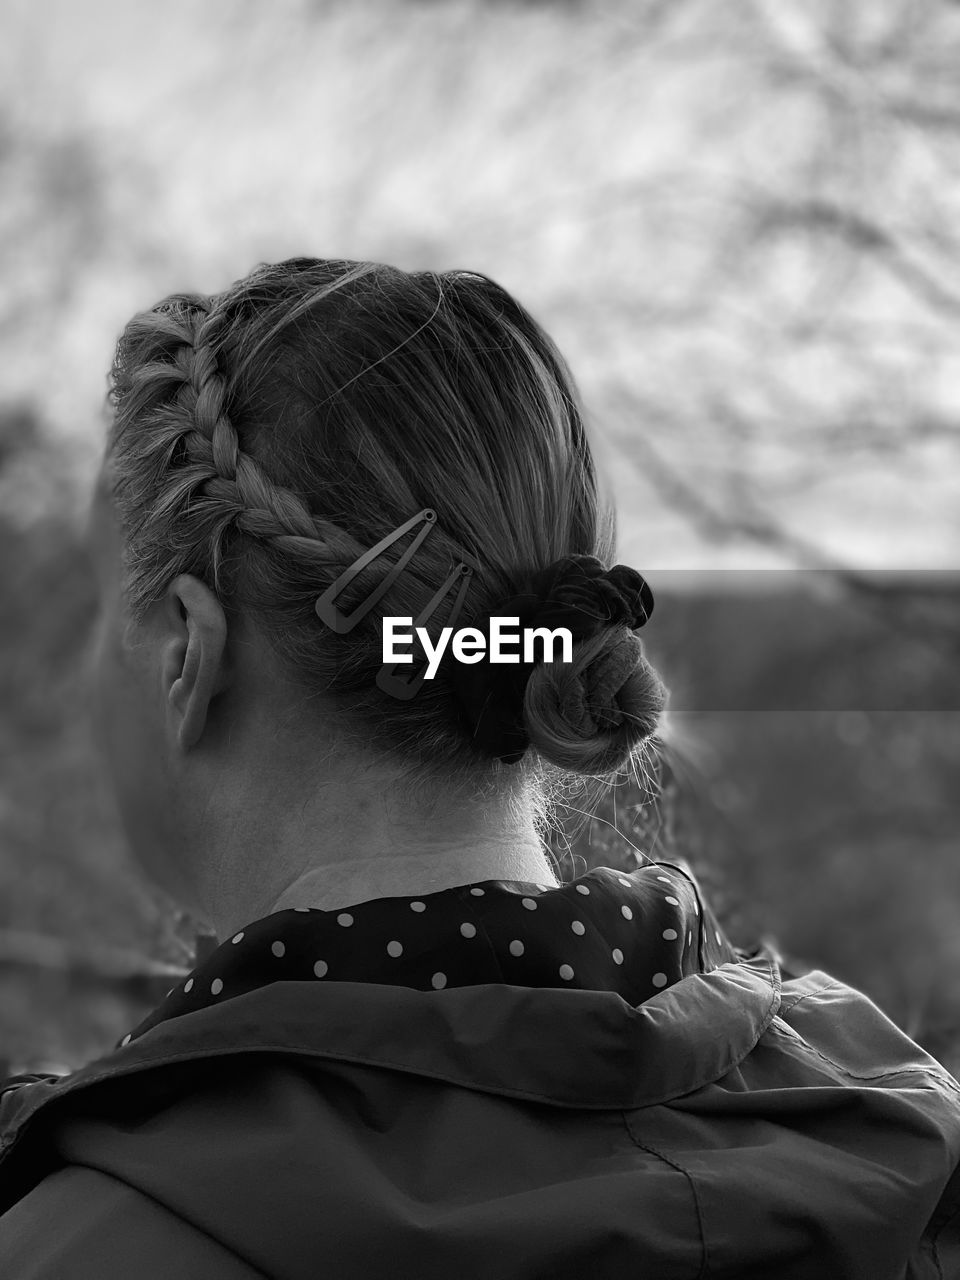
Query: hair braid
{"x":214,"y":476}
{"x":224,"y":474}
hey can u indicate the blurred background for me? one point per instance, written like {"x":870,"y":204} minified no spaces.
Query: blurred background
{"x":739,"y":222}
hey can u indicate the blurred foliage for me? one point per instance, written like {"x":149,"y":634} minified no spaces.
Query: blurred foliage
{"x":739,"y":221}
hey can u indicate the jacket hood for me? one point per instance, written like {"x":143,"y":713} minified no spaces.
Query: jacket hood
{"x":579,"y":1049}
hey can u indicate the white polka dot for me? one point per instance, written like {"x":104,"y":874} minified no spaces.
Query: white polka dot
{"x":626,"y":912}
{"x":582,"y":888}
{"x":659,"y":979}
{"x":529,"y":903}
{"x":301,"y":908}
{"x":516,"y":947}
{"x":468,"y":930}
{"x":669,"y":934}
{"x":320,"y":968}
{"x":278,"y":949}
{"x":237,"y":937}
{"x":717,"y":936}
{"x":126,"y":1039}
{"x":625,"y":883}
{"x":439,"y":980}
{"x":617,"y":955}
{"x":674,"y":902}
{"x":566,"y":972}
{"x":477,"y":893}
{"x":577,"y":927}
{"x":546,"y":888}
{"x":216,"y":986}
{"x":418,"y":906}
{"x":188,"y":986}
{"x":394,"y":948}
{"x":665,"y":879}
{"x":345,"y":918}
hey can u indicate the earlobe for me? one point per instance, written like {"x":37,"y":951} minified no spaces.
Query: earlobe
{"x":194,"y":657}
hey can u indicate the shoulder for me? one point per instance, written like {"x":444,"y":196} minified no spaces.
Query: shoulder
{"x":847,"y":1028}
{"x":88,"y":1224}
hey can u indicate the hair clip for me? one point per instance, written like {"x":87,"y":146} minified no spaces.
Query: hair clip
{"x":342,"y":622}
{"x":406,"y":687}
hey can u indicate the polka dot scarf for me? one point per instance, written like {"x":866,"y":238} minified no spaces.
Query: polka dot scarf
{"x":633,"y":933}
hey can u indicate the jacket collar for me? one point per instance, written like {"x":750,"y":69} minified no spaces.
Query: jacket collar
{"x":565,"y":1048}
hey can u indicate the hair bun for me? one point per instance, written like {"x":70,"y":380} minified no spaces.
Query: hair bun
{"x":576,"y":591}
{"x":590,"y":702}
{"x":590,"y":715}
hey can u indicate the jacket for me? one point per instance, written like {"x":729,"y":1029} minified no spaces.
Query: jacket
{"x":733,"y":1122}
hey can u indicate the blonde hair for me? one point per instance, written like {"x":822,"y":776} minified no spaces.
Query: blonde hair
{"x":265,"y":437}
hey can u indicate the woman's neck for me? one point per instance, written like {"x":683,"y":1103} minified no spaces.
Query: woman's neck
{"x":353,"y":880}
{"x":261,"y":830}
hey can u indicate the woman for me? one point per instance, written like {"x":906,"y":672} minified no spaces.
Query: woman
{"x":414,"y":1052}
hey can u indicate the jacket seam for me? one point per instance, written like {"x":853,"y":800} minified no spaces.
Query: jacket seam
{"x":938,"y":1224}
{"x":935,"y":1242}
{"x":830,"y":985}
{"x":698,"y":1208}
{"x":927,"y":1073}
{"x":943,"y":1076}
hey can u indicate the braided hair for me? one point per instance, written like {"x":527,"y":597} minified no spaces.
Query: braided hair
{"x":263,"y":438}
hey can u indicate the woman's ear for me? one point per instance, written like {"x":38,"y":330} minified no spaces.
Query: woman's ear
{"x":194,"y":667}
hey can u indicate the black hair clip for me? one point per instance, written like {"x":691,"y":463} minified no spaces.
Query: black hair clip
{"x":407,"y":687}
{"x":341,"y":622}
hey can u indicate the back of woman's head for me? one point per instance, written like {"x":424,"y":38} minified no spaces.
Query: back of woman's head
{"x":265,"y":437}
